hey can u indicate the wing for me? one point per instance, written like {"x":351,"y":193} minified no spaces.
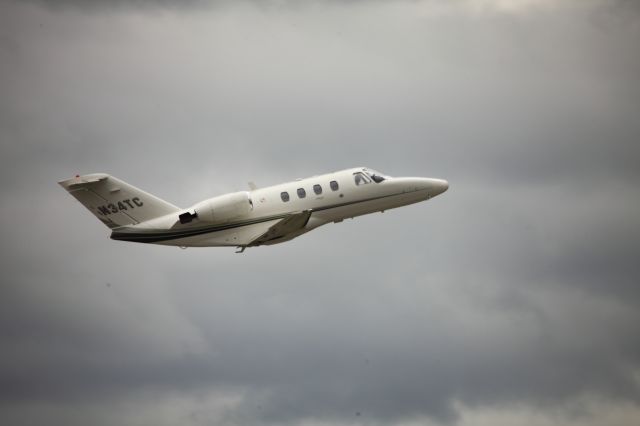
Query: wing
{"x":289,"y":227}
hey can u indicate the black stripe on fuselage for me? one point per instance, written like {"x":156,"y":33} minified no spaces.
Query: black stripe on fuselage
{"x":157,"y":236}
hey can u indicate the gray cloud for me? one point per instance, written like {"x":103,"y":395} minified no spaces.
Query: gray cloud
{"x":517,"y":288}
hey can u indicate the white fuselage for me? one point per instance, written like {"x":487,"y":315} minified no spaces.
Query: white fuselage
{"x":267,"y":206}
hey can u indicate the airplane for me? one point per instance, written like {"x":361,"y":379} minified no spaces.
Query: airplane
{"x":260,"y":216}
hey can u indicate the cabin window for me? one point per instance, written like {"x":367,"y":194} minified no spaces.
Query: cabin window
{"x":284,"y":196}
{"x":317,"y":189}
{"x":361,"y":178}
{"x":301,"y":193}
{"x":334,"y":185}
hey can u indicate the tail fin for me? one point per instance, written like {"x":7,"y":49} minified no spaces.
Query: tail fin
{"x":115,"y":202}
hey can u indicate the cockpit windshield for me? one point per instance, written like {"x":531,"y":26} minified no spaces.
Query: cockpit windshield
{"x":377,"y":177}
{"x":361,"y":178}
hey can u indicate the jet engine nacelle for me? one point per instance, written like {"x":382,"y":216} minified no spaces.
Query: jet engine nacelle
{"x":220,"y":209}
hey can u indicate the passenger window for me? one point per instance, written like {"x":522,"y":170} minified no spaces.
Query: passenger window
{"x":317,"y":189}
{"x":301,"y":193}
{"x":284,"y":196}
{"x":334,"y":185}
{"x":361,"y":179}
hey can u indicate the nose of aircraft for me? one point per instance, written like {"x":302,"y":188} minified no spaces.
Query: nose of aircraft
{"x":436,"y":186}
{"x":441,"y":185}
{"x":430,"y":186}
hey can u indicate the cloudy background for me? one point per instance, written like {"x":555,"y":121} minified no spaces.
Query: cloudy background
{"x":511,"y":299}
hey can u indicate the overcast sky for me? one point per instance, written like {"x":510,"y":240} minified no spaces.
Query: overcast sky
{"x":513,"y":298}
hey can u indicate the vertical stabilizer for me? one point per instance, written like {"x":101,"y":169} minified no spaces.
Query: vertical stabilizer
{"x":114,"y":202}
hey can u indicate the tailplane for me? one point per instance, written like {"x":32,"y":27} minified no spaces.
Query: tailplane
{"x":114,"y":202}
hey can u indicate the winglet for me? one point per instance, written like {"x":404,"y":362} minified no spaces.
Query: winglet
{"x":252,"y":186}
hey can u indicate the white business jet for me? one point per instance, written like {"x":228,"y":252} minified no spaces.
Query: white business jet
{"x":261,"y":216}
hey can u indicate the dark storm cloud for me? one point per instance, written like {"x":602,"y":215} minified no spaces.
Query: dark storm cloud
{"x":516,"y":287}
